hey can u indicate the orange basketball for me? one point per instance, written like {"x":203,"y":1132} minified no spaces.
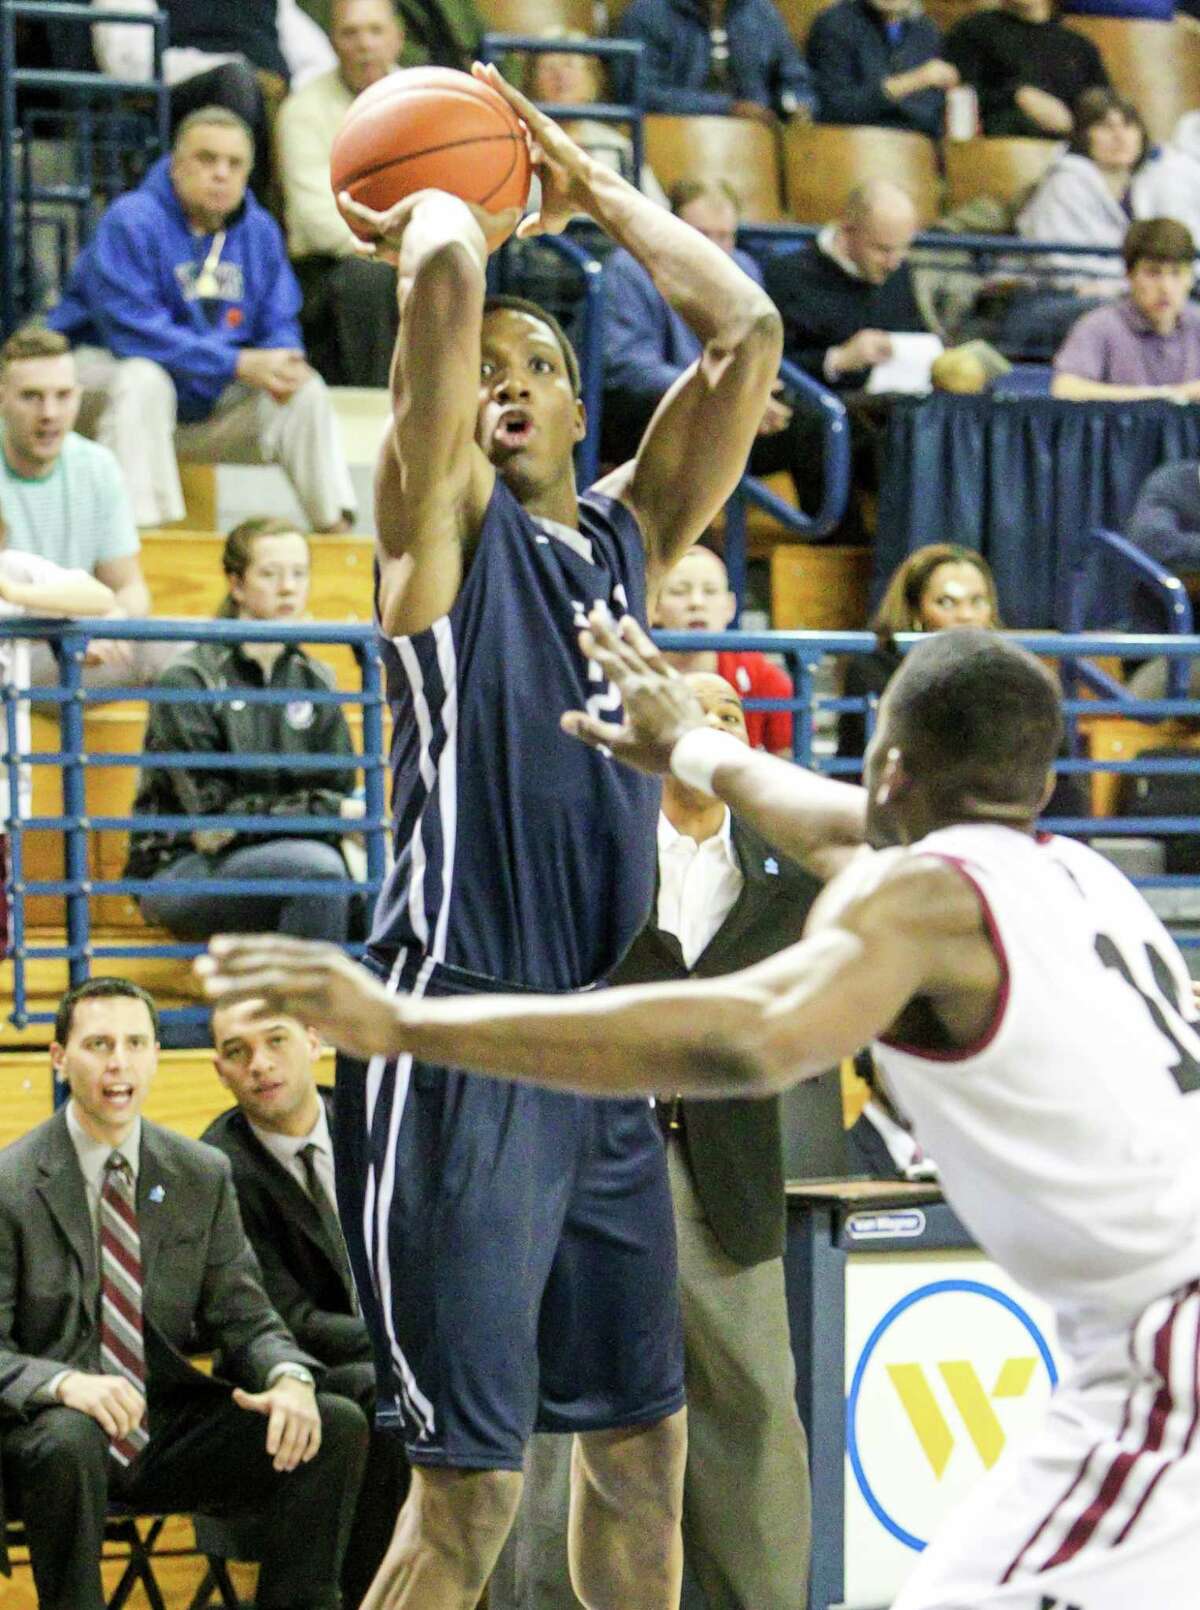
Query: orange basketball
{"x":430,"y":128}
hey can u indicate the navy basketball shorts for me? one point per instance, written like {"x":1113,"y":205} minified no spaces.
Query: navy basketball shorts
{"x":514,"y":1251}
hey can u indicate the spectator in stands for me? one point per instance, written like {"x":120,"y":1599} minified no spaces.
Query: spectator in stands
{"x":1027,"y":68}
{"x":1147,"y":344}
{"x":936,"y":587}
{"x":277,"y":1140}
{"x":240,"y":54}
{"x":723,"y":58}
{"x":99,"y":1398}
{"x":267,"y":566}
{"x":186,"y":308}
{"x":695,"y":596}
{"x":568,"y":78}
{"x":30,"y":585}
{"x":64,"y":500}
{"x":1110,"y":174}
{"x":844,"y":294}
{"x":880,"y":61}
{"x":1165,"y":522}
{"x":647,"y":348}
{"x":350,"y":311}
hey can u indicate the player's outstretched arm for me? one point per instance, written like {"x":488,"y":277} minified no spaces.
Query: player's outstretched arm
{"x":815,"y":820}
{"x":695,"y":448}
{"x":917,"y":931}
{"x":433,"y":481}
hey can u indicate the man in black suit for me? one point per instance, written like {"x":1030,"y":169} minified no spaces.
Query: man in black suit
{"x":725,"y":901}
{"x":277,"y":1139}
{"x":100,"y":1400}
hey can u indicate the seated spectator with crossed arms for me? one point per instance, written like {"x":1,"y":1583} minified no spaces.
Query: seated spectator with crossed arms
{"x":121,"y":1250}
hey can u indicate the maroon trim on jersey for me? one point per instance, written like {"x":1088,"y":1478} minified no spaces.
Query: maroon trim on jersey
{"x":976,"y":1047}
{"x":1112,"y":1484}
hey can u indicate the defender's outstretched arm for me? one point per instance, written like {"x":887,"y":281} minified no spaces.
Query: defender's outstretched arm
{"x":918,"y":930}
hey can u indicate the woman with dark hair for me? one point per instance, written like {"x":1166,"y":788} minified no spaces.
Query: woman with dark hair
{"x":1092,"y":192}
{"x":266,"y":563}
{"x":936,"y":587}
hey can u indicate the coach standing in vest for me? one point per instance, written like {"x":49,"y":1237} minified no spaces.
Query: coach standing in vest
{"x":724,"y":902}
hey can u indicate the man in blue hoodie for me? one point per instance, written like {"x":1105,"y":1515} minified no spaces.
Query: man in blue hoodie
{"x":185,"y":310}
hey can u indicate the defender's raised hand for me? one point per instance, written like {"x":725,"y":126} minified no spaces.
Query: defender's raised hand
{"x":659,"y":705}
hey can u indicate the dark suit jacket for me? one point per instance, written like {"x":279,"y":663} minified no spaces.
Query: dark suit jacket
{"x":302,"y":1272}
{"x":734,"y":1147}
{"x":201,"y":1284}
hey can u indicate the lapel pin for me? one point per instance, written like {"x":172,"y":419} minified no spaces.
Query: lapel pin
{"x":771,"y":866}
{"x":156,"y":1193}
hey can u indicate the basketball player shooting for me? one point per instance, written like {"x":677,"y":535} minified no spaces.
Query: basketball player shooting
{"x":514,"y":1249}
{"x":1028,"y":1011}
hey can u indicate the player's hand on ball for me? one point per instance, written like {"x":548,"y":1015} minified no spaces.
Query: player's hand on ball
{"x":387,"y":228}
{"x":659,"y":705}
{"x":314,"y":982}
{"x":562,"y":167}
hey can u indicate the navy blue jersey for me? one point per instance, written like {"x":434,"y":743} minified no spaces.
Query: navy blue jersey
{"x":521,"y":854}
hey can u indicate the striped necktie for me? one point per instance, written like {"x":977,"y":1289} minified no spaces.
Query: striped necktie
{"x":122,"y":1351}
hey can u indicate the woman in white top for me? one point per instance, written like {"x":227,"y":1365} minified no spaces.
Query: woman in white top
{"x":1109,"y":175}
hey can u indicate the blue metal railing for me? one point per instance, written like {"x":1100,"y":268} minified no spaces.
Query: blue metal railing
{"x":18,"y":199}
{"x":1162,"y":585}
{"x":812,"y":709}
{"x":77,"y":886}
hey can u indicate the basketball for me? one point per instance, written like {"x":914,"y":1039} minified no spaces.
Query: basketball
{"x":431,"y":128}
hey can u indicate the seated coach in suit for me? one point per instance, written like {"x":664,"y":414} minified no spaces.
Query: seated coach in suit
{"x":277,"y":1139}
{"x":725,"y":900}
{"x":121,"y":1251}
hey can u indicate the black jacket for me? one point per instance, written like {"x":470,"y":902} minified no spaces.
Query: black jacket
{"x":303,"y":1274}
{"x":232,"y":727}
{"x":823,"y":306}
{"x":734,"y":1147}
{"x":850,"y":55}
{"x":997,"y":53}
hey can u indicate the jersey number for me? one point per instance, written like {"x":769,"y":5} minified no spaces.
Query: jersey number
{"x":1186,"y":1071}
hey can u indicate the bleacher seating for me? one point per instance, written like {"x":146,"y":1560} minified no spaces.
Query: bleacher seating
{"x":823,"y":162}
{"x":732,"y":148}
{"x":1004,"y":169}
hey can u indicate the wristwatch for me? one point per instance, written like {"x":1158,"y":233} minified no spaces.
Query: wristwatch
{"x":294,"y":1372}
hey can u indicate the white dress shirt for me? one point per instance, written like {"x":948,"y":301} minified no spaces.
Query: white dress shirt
{"x":698,"y":885}
{"x":286,"y":1149}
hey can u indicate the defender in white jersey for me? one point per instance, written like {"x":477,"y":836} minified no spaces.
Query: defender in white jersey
{"x":1030,"y":1014}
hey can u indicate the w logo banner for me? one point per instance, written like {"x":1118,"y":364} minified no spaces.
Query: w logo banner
{"x":973,"y":1404}
{"x":949,"y":1377}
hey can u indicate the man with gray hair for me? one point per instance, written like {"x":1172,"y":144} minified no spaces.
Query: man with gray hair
{"x":350,"y":314}
{"x":843,"y":295}
{"x":184,"y":309}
